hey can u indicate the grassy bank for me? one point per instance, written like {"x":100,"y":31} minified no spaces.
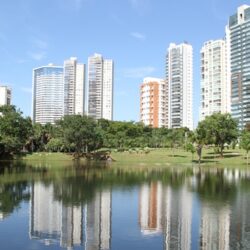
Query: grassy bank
{"x":167,"y":157}
{"x":156,"y":157}
{"x":44,"y":156}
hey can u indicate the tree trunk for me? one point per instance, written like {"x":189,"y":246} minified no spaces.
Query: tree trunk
{"x":221,"y":150}
{"x":199,"y":152}
{"x":247,"y":158}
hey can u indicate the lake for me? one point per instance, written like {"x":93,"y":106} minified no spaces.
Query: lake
{"x":101,"y":208}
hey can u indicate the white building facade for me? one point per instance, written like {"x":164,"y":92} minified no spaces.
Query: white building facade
{"x":179,"y":74}
{"x":47,"y":94}
{"x":5,"y":95}
{"x":100,"y":84}
{"x":74,"y":86}
{"x":215,"y":84}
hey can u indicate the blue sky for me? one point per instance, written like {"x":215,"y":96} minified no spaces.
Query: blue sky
{"x":134,"y":33}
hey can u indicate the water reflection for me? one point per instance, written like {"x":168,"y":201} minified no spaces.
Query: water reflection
{"x":169,"y":211}
{"x":183,"y":208}
{"x":51,"y":221}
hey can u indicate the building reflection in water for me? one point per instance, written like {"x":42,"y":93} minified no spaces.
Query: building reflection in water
{"x":53,"y":222}
{"x":178,"y":213}
{"x":150,"y":208}
{"x":98,"y":222}
{"x":166,"y":210}
{"x":240,"y":222}
{"x":215,"y":225}
{"x":1,"y":215}
{"x":170,"y":212}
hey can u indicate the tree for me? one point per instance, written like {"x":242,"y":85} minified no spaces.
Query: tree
{"x":11,"y":195}
{"x":55,"y":145}
{"x":15,"y":130}
{"x":81,"y":131}
{"x":191,"y":148}
{"x":159,"y":137}
{"x":218,"y":129}
{"x":42,"y":135}
{"x":199,"y":137}
{"x":175,"y":138}
{"x":245,"y":141}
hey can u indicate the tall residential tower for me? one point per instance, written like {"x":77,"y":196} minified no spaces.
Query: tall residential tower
{"x":239,"y":37}
{"x":153,"y":102}
{"x":179,"y":74}
{"x":5,"y":95}
{"x":215,"y":87}
{"x":74,"y":86}
{"x":100,"y":92}
{"x":48,"y":94}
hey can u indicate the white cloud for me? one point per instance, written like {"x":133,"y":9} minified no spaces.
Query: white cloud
{"x":38,"y":49}
{"x":139,"y":72}
{"x":21,"y":61}
{"x":138,"y":35}
{"x":37,"y":56}
{"x":39,"y":43}
{"x":26,"y":90}
{"x":141,"y":6}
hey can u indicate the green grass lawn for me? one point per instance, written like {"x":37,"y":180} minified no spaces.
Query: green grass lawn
{"x":167,"y":157}
{"x":156,"y":158}
{"x":45,"y":156}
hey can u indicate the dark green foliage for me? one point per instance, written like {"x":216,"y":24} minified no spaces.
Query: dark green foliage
{"x":15,"y":131}
{"x":191,"y":148}
{"x":218,"y":130}
{"x":81,"y":131}
{"x":83,"y":134}
{"x":245,"y":141}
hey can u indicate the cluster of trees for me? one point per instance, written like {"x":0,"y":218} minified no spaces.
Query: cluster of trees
{"x":15,"y":130}
{"x":84,"y":134}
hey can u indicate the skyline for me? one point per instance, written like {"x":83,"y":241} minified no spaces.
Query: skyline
{"x":133,"y":33}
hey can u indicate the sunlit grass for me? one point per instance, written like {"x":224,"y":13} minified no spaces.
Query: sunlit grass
{"x":155,"y":158}
{"x":168,"y":157}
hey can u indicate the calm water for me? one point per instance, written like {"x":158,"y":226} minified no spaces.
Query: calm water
{"x":76,"y":207}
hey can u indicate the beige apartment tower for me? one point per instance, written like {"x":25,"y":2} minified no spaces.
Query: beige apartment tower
{"x":153,"y":102}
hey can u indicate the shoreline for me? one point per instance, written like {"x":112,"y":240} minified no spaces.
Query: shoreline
{"x":155,"y":158}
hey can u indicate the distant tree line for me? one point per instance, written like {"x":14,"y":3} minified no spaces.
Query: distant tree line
{"x":82,"y":134}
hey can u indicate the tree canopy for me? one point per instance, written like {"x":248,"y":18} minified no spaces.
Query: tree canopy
{"x":217,"y":129}
{"x":81,"y":131}
{"x":15,"y":130}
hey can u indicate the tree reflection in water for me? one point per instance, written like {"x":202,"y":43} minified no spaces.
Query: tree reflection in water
{"x":72,"y":205}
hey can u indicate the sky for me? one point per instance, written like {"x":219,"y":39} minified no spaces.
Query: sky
{"x":134,"y":33}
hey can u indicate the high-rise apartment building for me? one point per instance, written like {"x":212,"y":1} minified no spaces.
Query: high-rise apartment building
{"x":154,"y":102}
{"x":5,"y":95}
{"x":215,"y":87}
{"x":74,"y":86}
{"x":239,"y":37}
{"x":179,"y":74}
{"x":48,"y":94}
{"x":100,"y":92}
